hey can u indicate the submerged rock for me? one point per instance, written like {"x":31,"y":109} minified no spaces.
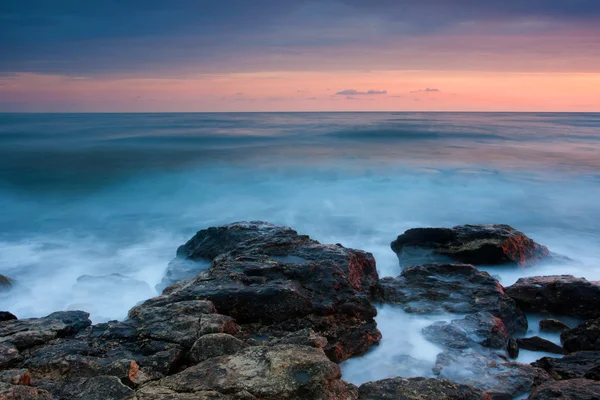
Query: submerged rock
{"x":558,"y":294}
{"x":573,"y":389}
{"x":553,"y":325}
{"x":455,"y":288}
{"x":469,"y":244}
{"x":419,"y":389}
{"x":481,"y":329}
{"x":583,"y":337}
{"x":536,"y":343}
{"x":575,"y":365}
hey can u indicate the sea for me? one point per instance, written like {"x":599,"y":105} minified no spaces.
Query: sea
{"x":90,"y":195}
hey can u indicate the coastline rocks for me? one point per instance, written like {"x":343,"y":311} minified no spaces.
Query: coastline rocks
{"x":418,"y":389}
{"x":454,"y":288}
{"x":583,"y":337}
{"x":553,"y":325}
{"x":573,"y":389}
{"x":575,"y":365}
{"x":480,"y":329}
{"x":558,"y":294}
{"x":469,"y":244}
{"x":536,"y":343}
{"x":6,"y":316}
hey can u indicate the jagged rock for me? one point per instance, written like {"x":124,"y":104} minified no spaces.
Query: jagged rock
{"x":16,"y":376}
{"x":214,"y":345}
{"x":455,"y":288}
{"x":553,"y":325}
{"x":9,"y":355}
{"x":19,"y":392}
{"x":490,"y":372}
{"x":574,"y":365}
{"x":6,"y":316}
{"x":583,"y":337}
{"x":480,"y":329}
{"x":512,"y":348}
{"x":536,"y":343}
{"x":6,"y":283}
{"x":572,"y":389}
{"x":419,"y":389}
{"x":103,"y":388}
{"x":558,"y":294}
{"x":593,"y":373}
{"x":470,"y":244}
{"x":267,"y":372}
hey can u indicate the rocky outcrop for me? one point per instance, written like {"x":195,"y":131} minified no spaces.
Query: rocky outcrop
{"x":419,"y":389}
{"x":537,"y":343}
{"x":581,"y":364}
{"x":553,"y":325}
{"x":583,"y":337}
{"x":6,"y":316}
{"x":469,"y":244}
{"x":558,"y":294}
{"x":455,"y":288}
{"x":573,"y":389}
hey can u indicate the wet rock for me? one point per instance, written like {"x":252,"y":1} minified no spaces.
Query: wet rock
{"x":214,"y":345}
{"x":490,"y":372}
{"x":20,"y":392}
{"x":270,"y":373}
{"x":573,"y":389}
{"x":6,"y":283}
{"x":103,"y":388}
{"x":553,"y":325}
{"x":455,"y":288}
{"x":583,"y":337}
{"x":512,"y":348}
{"x":558,"y":294}
{"x":536,"y":343}
{"x":480,"y":329}
{"x":593,"y":373}
{"x":418,"y":389}
{"x":9,"y":355}
{"x":180,"y":270}
{"x":155,"y":392}
{"x":6,"y":316}
{"x":16,"y":376}
{"x":470,"y":244}
{"x":575,"y":365}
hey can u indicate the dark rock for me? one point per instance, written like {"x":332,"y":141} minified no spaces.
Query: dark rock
{"x":103,"y":388}
{"x":16,"y":376}
{"x":419,"y":389}
{"x":558,"y":294}
{"x":20,"y":392}
{"x":9,"y":355}
{"x":553,"y":325}
{"x":481,"y":329}
{"x":573,"y":389}
{"x":180,"y":270}
{"x":512,"y":348}
{"x":5,"y":283}
{"x":490,"y":372}
{"x":455,"y":288}
{"x":214,"y":345}
{"x":574,"y":365}
{"x":470,"y":244}
{"x":6,"y":316}
{"x":536,"y":343}
{"x":593,"y":373}
{"x":583,"y":337}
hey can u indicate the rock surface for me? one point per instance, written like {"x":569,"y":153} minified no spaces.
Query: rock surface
{"x":583,"y":337}
{"x":536,"y":343}
{"x":418,"y":389}
{"x":470,"y":244}
{"x":553,"y":325}
{"x":480,"y":329}
{"x":575,"y":365}
{"x":573,"y":389}
{"x":558,"y":294}
{"x":6,"y":316}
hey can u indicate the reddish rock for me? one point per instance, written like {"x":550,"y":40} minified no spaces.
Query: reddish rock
{"x":572,"y":389}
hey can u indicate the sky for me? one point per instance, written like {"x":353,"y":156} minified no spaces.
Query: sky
{"x":299,"y":55}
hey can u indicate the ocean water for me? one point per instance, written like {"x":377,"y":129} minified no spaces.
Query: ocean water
{"x":101,"y":194}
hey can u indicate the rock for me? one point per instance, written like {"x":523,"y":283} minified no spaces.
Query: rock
{"x":558,"y":294}
{"x":6,"y":316}
{"x":573,"y":389}
{"x":455,"y":288}
{"x":9,"y":355}
{"x":214,"y":345}
{"x":418,"y":389}
{"x":470,"y":244}
{"x":490,"y":372}
{"x":584,"y":337}
{"x":103,"y":388}
{"x":480,"y":329}
{"x":593,"y":373}
{"x":269,"y":373}
{"x":5,"y":283}
{"x":512,"y":348}
{"x":536,"y":343}
{"x":180,"y":270}
{"x":574,"y":365}
{"x":20,"y":392}
{"x":553,"y":325}
{"x":16,"y":376}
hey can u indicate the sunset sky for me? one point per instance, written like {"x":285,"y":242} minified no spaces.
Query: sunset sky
{"x":300,"y":55}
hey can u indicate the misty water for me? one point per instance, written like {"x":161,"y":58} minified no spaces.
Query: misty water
{"x":101,"y":194}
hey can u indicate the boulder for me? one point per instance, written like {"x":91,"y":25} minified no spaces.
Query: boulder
{"x":419,"y":389}
{"x":553,"y":325}
{"x":583,"y":337}
{"x":469,"y":244}
{"x":454,"y":288}
{"x":536,"y":343}
{"x":557,"y":294}
{"x":20,"y":392}
{"x":6,"y":316}
{"x":214,"y":345}
{"x":574,"y":365}
{"x":512,"y":348}
{"x":480,"y":329}
{"x":572,"y":389}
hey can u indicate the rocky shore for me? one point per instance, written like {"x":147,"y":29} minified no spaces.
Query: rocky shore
{"x":252,"y":310}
